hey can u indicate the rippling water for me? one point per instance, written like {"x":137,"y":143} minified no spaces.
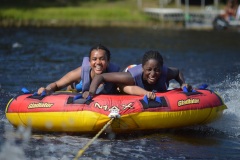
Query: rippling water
{"x":34,"y":57}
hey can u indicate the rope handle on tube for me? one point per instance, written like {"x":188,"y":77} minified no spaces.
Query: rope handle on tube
{"x":146,"y":100}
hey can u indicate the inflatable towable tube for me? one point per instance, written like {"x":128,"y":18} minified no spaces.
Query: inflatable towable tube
{"x":63,"y":112}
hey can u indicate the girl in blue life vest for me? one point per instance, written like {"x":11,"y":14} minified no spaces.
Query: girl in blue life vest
{"x":145,"y":79}
{"x":97,"y":63}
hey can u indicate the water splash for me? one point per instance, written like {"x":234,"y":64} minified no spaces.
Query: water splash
{"x":229,"y":90}
{"x":15,"y":142}
{"x":16,"y":45}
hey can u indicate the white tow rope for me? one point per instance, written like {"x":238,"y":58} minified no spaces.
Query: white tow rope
{"x":114,"y":113}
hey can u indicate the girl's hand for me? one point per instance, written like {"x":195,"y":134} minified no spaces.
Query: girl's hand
{"x":48,"y":90}
{"x":87,"y":94}
{"x":151,"y":95}
{"x":188,"y":86}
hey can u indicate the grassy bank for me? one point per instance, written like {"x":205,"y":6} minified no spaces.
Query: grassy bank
{"x":116,"y":13}
{"x":64,"y":13}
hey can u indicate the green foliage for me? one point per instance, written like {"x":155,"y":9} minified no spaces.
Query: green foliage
{"x":106,"y":11}
{"x":48,"y":3}
{"x":73,"y":13}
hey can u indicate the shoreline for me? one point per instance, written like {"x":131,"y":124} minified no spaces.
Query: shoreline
{"x":69,"y":23}
{"x":84,"y":23}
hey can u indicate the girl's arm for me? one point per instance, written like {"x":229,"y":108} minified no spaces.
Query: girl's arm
{"x":113,"y":77}
{"x":175,"y":73}
{"x":69,"y":78}
{"x":136,"y":90}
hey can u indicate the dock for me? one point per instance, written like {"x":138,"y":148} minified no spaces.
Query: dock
{"x":199,"y":18}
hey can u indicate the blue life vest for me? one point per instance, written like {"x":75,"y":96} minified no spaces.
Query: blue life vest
{"x":84,"y":85}
{"x":162,"y":83}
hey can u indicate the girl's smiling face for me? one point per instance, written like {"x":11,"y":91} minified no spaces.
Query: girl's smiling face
{"x":98,"y":61}
{"x":151,"y":71}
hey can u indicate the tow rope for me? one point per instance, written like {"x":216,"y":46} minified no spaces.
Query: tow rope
{"x":113,"y":114}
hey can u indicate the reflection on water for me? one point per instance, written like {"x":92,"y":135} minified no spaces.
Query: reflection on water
{"x":34,"y":57}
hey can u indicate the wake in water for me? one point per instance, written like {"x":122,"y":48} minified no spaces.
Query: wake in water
{"x":229,"y":90}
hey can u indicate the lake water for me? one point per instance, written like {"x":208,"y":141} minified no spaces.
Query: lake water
{"x":34,"y":57}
